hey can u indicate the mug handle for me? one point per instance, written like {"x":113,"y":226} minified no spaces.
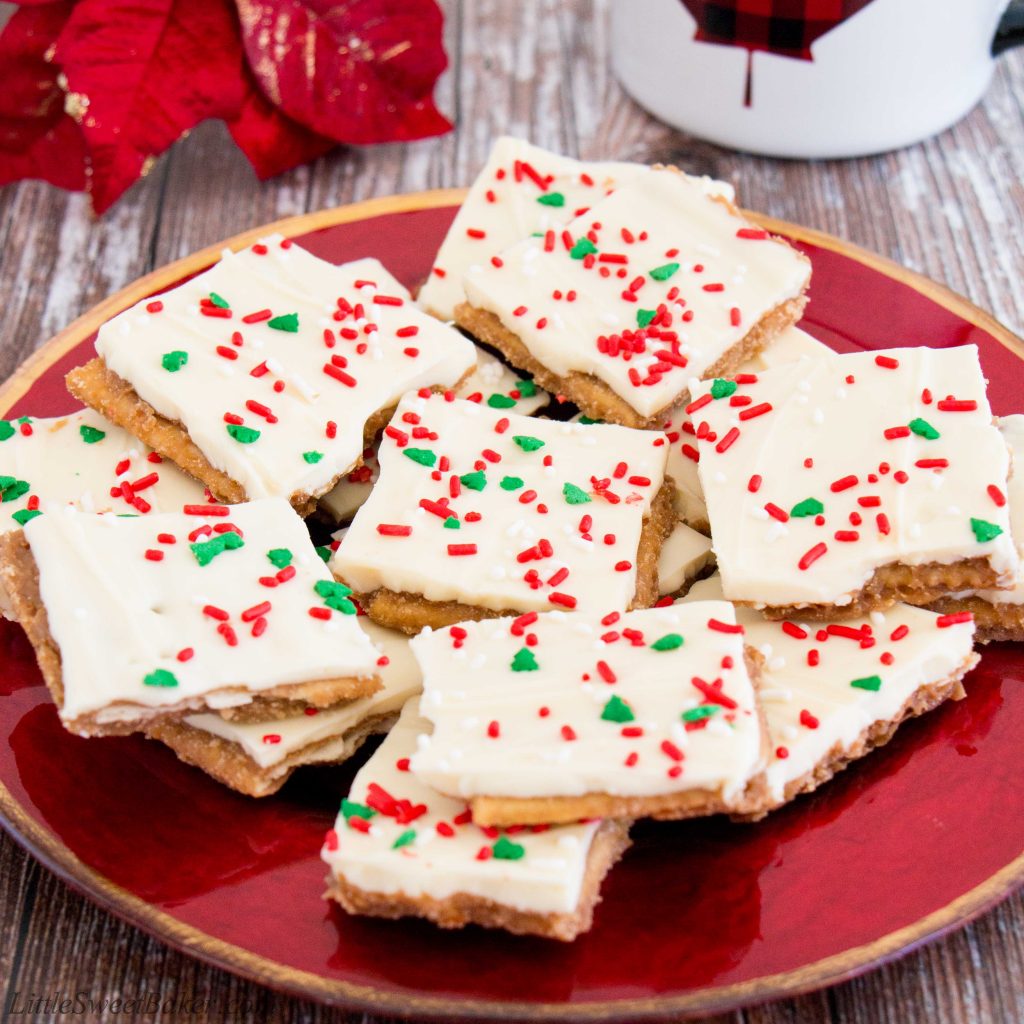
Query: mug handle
{"x":1011,"y":29}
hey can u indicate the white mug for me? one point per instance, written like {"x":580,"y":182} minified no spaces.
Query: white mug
{"x":811,"y":78}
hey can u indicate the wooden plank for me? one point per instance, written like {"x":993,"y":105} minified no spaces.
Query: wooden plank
{"x":952,"y":208}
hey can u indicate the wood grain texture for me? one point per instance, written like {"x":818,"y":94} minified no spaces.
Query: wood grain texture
{"x":952,"y":208}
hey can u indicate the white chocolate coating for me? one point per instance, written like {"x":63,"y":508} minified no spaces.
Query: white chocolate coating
{"x":536,"y":491}
{"x":379,"y":349}
{"x":508,"y":205}
{"x":1012,"y":429}
{"x":686,"y":266}
{"x":853,"y":437}
{"x":683,"y":455}
{"x":684,"y":554}
{"x":813,"y":708}
{"x":120,"y":617}
{"x":492,"y":383}
{"x":53,"y":457}
{"x":638,"y":704}
{"x":270,"y":743}
{"x":443,"y":855}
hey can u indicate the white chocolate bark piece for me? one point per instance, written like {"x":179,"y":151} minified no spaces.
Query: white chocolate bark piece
{"x":522,"y":190}
{"x":502,"y":511}
{"x":818,"y":472}
{"x":397,"y":837}
{"x":683,"y":455}
{"x":1012,"y":429}
{"x":823,"y":685}
{"x":492,"y":383}
{"x":670,"y":281}
{"x":325,"y":731}
{"x":684,"y":555}
{"x":637,"y":704}
{"x":297,"y":353}
{"x":164,"y":611}
{"x":82,"y":460}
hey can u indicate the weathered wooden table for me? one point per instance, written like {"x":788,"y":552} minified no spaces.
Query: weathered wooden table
{"x":952,"y":208}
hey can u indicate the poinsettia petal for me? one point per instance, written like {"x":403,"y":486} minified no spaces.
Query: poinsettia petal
{"x":37,"y":138}
{"x":271,"y":141}
{"x":141,"y":73}
{"x":359,"y":72}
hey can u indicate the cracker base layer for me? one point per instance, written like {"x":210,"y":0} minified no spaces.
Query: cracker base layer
{"x":994,"y":621}
{"x":914,"y":584}
{"x":228,"y":763}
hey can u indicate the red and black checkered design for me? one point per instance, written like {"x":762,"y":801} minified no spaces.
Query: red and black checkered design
{"x":784,"y":27}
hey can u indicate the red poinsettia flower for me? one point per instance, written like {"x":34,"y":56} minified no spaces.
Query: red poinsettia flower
{"x":95,"y":90}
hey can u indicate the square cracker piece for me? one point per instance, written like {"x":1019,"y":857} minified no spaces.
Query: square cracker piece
{"x":141,"y":618}
{"x":683,"y":454}
{"x":479,"y":512}
{"x":999,"y":614}
{"x":833,"y":692}
{"x":835,"y":486}
{"x":656,"y":285}
{"x":257,"y":758}
{"x":491,"y":382}
{"x":400,"y":849}
{"x":554,"y":718}
{"x":85,"y":461}
{"x":521,"y":191}
{"x":267,"y":374}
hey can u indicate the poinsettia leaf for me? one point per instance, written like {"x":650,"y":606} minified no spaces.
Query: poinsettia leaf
{"x":271,"y":141}
{"x":37,"y":138}
{"x":359,"y":72}
{"x":140,"y":74}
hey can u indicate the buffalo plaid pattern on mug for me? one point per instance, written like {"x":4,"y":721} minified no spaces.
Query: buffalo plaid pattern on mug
{"x":784,"y":27}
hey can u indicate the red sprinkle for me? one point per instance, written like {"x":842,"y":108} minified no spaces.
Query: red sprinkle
{"x":807,"y":719}
{"x":887,"y":362}
{"x":393,"y":530}
{"x":206,"y":510}
{"x":811,"y":556}
{"x":756,"y":410}
{"x":724,"y":627}
{"x":953,"y":619}
{"x":727,"y":442}
{"x":671,"y":750}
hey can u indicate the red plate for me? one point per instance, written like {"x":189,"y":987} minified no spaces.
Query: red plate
{"x":700,"y":916}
